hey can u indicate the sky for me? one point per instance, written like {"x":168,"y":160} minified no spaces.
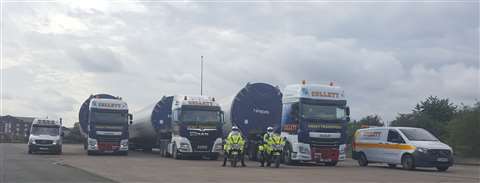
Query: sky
{"x":387,"y":56}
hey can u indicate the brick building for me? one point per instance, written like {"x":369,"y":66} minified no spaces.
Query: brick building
{"x":14,"y":129}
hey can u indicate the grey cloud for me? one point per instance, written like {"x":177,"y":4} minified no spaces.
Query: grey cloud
{"x":96,"y":59}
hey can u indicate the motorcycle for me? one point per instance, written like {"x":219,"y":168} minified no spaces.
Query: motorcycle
{"x":235,"y":153}
{"x":276,"y":149}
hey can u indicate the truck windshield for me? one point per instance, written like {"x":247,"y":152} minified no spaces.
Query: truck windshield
{"x":200,"y":116}
{"x":110,"y":118}
{"x":45,"y":130}
{"x":322,"y":112}
{"x":416,"y":134}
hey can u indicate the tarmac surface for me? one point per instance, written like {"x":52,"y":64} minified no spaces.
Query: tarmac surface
{"x":75,"y":166}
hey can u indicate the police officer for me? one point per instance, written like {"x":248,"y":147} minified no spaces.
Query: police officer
{"x":233,"y":137}
{"x":264,"y":147}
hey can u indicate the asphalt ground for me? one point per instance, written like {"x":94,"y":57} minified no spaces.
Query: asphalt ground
{"x":150,"y":167}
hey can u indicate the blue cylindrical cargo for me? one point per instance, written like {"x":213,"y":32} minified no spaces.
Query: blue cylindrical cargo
{"x":256,"y":107}
{"x":84,"y":112}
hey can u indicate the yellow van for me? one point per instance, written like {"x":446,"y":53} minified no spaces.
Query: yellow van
{"x":405,"y":146}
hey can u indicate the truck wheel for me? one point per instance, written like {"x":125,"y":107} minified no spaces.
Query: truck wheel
{"x":175,"y":152}
{"x":362,"y":160}
{"x":124,"y":153}
{"x":333,"y":163}
{"x":392,"y":165}
{"x":59,"y":151}
{"x":442,"y":168}
{"x":85,"y":145}
{"x":90,"y":153}
{"x":287,"y":155}
{"x":30,"y":151}
{"x":408,"y":163}
{"x":214,"y":157}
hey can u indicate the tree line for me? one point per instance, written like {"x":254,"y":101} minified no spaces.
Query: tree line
{"x":456,"y":125}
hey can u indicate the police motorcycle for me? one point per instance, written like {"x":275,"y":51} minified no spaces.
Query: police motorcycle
{"x":275,"y":150}
{"x":235,"y":153}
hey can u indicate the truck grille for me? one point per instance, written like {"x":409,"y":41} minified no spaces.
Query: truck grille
{"x":108,"y":139}
{"x":44,"y":141}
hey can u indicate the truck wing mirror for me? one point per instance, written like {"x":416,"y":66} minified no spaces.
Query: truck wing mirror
{"x":347,"y":111}
{"x":62,"y":134}
{"x":130,"y":118}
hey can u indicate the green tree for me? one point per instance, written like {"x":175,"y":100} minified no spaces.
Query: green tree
{"x":370,"y":120}
{"x":433,"y":114}
{"x":463,"y":129}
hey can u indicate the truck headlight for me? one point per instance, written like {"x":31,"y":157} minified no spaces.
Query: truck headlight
{"x":184,"y":146}
{"x":124,"y":143}
{"x":31,"y":141}
{"x":92,"y":142}
{"x":55,"y":142}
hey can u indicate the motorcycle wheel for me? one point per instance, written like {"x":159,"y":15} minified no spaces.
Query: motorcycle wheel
{"x":277,"y":161}
{"x":233,"y":161}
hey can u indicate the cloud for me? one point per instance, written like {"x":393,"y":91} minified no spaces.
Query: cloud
{"x":388,"y":57}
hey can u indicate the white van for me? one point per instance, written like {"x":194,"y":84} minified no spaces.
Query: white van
{"x":409,"y":147}
{"x":45,"y":136}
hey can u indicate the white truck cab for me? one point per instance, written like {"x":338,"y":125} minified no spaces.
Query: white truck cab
{"x":45,"y":136}
{"x":406,"y":146}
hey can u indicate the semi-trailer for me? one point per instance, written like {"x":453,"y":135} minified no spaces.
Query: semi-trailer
{"x":104,"y":122}
{"x":180,"y":126}
{"x":253,"y":109}
{"x":314,"y":123}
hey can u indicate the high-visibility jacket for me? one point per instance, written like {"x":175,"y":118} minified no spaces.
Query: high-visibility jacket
{"x":269,"y":140}
{"x":234,"y":139}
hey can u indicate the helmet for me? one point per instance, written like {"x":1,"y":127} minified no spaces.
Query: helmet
{"x":234,"y":128}
{"x":270,"y":129}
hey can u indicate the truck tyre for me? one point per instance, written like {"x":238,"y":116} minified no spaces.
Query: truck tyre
{"x":90,"y":153}
{"x":392,"y":165}
{"x":287,"y":155}
{"x":59,"y":151}
{"x":408,"y":163}
{"x":85,"y":145}
{"x":333,"y":163}
{"x":214,"y":157}
{"x":442,"y":168}
{"x":147,"y":149}
{"x":362,"y":160}
{"x":175,"y":152}
{"x":124,"y":153}
{"x":30,"y":151}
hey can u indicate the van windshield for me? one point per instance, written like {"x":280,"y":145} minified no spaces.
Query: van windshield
{"x":415,"y":134}
{"x":45,"y":130}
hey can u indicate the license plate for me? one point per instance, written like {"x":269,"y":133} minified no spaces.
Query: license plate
{"x":234,"y":153}
{"x":43,"y":148}
{"x":276,"y":153}
{"x":442,"y":159}
{"x":108,"y":151}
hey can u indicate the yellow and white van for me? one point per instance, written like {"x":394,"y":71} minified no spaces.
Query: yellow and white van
{"x":406,"y":146}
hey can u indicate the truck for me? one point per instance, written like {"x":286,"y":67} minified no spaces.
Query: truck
{"x":104,"y":122}
{"x":254,"y":108}
{"x":180,"y":126}
{"x":314,"y":123}
{"x":45,"y":136}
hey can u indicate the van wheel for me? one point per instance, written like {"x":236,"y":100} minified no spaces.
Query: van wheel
{"x":392,"y":165}
{"x":333,"y":163}
{"x":442,"y":168}
{"x":362,"y":160}
{"x":408,"y":163}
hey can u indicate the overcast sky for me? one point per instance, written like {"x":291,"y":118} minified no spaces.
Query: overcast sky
{"x":387,"y":56}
